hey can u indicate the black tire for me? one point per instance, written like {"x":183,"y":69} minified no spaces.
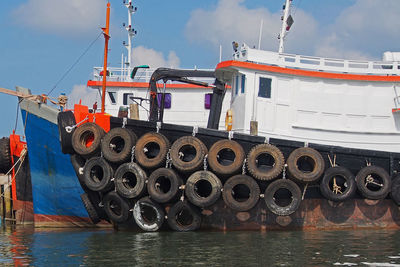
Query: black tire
{"x":265,"y":162}
{"x":117,"y":208}
{"x":305,"y":165}
{"x":163,"y":185}
{"x":97,"y":175}
{"x":86,"y":139}
{"x":65,"y":119}
{"x":338,"y":184}
{"x":187,"y":154}
{"x":5,"y":155}
{"x":241,"y":192}
{"x":395,"y":192}
{"x":226,"y":157}
{"x":203,"y":188}
{"x":89,"y":206}
{"x":117,"y":144}
{"x":78,"y":163}
{"x":148,"y":215}
{"x":373,"y":182}
{"x":130,"y":180}
{"x":151,"y":150}
{"x":290,"y":189}
{"x":184,"y":217}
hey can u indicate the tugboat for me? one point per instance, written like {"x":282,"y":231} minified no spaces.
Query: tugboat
{"x":311,"y":143}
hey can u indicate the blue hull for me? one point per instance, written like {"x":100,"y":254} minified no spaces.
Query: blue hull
{"x":55,"y":187}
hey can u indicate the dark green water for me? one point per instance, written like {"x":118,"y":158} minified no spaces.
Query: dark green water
{"x":26,"y":246}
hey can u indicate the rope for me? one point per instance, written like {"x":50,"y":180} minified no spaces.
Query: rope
{"x":73,"y":65}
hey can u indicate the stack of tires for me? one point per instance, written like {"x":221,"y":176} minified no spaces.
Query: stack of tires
{"x":151,"y":180}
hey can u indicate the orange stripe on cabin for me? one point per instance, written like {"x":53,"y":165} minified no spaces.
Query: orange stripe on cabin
{"x":308,"y":73}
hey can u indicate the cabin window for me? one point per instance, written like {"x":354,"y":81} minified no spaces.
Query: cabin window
{"x":243,"y":84}
{"x":167,"y":101}
{"x":236,"y":84}
{"x":207,"y":101}
{"x":128,"y":99}
{"x":113,"y":97}
{"x":264,"y":89}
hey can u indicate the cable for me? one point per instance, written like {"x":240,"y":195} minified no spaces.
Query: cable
{"x":76,"y":62}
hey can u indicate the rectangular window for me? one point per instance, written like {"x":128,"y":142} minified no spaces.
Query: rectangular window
{"x":264,"y":89}
{"x":112,"y":96}
{"x":127,"y":99}
{"x":207,"y":101}
{"x":243,"y":85}
{"x":236,"y":84}
{"x":167,"y":101}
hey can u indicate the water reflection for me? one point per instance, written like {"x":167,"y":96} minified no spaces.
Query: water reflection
{"x":29,"y":247}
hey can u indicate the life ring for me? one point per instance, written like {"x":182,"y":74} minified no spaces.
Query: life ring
{"x":130,"y":180}
{"x":163,"y":185}
{"x":148,"y":215}
{"x":116,"y":207}
{"x":187,"y":153}
{"x":86,"y":139}
{"x":282,"y":202}
{"x":373,"y":182}
{"x":151,"y":150}
{"x":183,"y":217}
{"x":338,"y":184}
{"x":395,"y":190}
{"x":203,"y":188}
{"x":5,"y":155}
{"x":265,"y":162}
{"x":117,"y":144}
{"x":65,"y":119}
{"x":226,"y":157}
{"x":92,"y":212}
{"x":305,"y":164}
{"x":241,"y":192}
{"x":97,"y":175}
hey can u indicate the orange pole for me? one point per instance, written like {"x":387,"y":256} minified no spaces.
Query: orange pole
{"x":106,"y":32}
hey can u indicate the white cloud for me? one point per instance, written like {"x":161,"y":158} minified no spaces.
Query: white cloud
{"x":61,"y":16}
{"x":87,"y":95}
{"x":155,"y":59}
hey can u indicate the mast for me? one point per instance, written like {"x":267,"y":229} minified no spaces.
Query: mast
{"x":287,"y":22}
{"x":106,"y":33}
{"x":131,"y":33}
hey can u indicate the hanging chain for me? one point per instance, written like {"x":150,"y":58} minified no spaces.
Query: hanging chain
{"x":205,"y":162}
{"x":244,"y":167}
{"x":168,"y":162}
{"x":133,"y":154}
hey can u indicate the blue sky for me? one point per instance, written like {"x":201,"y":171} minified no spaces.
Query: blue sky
{"x":41,"y":39}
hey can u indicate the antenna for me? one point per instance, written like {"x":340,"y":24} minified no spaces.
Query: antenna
{"x":260,"y":35}
{"x":287,"y":22}
{"x":131,"y":32}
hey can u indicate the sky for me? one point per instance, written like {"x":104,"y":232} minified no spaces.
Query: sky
{"x":41,"y":39}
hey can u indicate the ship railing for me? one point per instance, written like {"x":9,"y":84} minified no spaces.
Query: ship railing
{"x":319,"y":63}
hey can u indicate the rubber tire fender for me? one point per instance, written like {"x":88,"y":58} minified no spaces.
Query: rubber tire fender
{"x":154,"y":161}
{"x":330,"y":174}
{"x":85,"y":133}
{"x":5,"y":155}
{"x":191,"y":186}
{"x":89,"y":206}
{"x":395,"y":192}
{"x":116,"y":207}
{"x":181,"y":147}
{"x":230,"y":145}
{"x":142,"y":222}
{"x":174,"y":180}
{"x":365,"y":191}
{"x":252,"y":160}
{"x":302,"y":176}
{"x":247,"y":181}
{"x":117,"y":144}
{"x":123,"y":180}
{"x":177,"y":210}
{"x":97,"y":174}
{"x":64,"y":119}
{"x":78,"y":163}
{"x":270,"y":200}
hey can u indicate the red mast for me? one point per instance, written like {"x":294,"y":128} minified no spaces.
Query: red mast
{"x":106,"y":32}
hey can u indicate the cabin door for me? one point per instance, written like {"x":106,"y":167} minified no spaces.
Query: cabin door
{"x":264,"y":103}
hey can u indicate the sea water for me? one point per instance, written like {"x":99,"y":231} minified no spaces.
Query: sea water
{"x":26,"y":246}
